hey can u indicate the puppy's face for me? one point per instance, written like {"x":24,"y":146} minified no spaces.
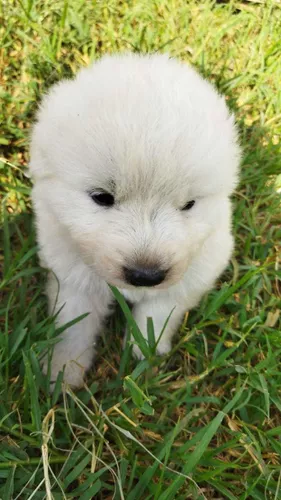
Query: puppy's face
{"x":147,"y":240}
{"x":137,"y":170}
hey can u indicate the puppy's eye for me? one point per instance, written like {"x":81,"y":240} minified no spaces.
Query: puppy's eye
{"x":189,"y":205}
{"x":102,"y":198}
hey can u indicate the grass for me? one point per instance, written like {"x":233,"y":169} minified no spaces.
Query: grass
{"x":204,"y":422}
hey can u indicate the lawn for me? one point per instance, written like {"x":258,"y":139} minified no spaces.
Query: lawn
{"x":205,"y":421}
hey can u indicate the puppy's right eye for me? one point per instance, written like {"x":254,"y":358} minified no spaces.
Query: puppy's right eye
{"x":102,"y":198}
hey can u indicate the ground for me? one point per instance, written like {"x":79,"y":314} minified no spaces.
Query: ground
{"x":205,"y":421}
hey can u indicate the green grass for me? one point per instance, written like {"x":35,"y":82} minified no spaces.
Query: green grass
{"x":204,"y":422}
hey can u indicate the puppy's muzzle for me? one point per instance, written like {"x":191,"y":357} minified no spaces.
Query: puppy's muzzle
{"x":144,"y":276}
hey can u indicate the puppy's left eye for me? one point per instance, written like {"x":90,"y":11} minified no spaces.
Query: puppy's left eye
{"x":102,"y":198}
{"x":189,"y":205}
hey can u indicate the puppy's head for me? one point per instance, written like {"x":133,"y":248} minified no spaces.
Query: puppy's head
{"x":136,"y":159}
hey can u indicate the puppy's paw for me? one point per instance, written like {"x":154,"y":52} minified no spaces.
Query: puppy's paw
{"x":136,"y":350}
{"x":137,"y":353}
{"x":73,"y":374}
{"x":73,"y":369}
{"x":163,"y":347}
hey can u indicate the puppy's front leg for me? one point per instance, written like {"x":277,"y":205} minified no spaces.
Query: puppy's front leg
{"x":75,"y":351}
{"x":159,"y":309}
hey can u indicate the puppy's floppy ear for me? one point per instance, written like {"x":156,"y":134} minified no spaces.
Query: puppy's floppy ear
{"x":46,"y":119}
{"x":36,"y":164}
{"x":236,"y":147}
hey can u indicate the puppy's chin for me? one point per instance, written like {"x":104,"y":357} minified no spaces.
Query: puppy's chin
{"x":127,"y":286}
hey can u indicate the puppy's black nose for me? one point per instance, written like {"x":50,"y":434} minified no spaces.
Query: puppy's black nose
{"x":144,"y":276}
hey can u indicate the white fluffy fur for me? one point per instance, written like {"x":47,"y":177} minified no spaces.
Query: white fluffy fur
{"x":153,"y":132}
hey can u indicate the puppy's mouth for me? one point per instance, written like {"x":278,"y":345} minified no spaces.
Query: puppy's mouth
{"x":127,"y":286}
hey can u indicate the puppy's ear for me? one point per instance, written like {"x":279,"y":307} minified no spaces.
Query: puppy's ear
{"x":237,"y":148}
{"x":37,"y":166}
{"x":41,"y":140}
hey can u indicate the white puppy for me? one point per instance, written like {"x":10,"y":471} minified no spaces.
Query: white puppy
{"x":133,"y":164}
